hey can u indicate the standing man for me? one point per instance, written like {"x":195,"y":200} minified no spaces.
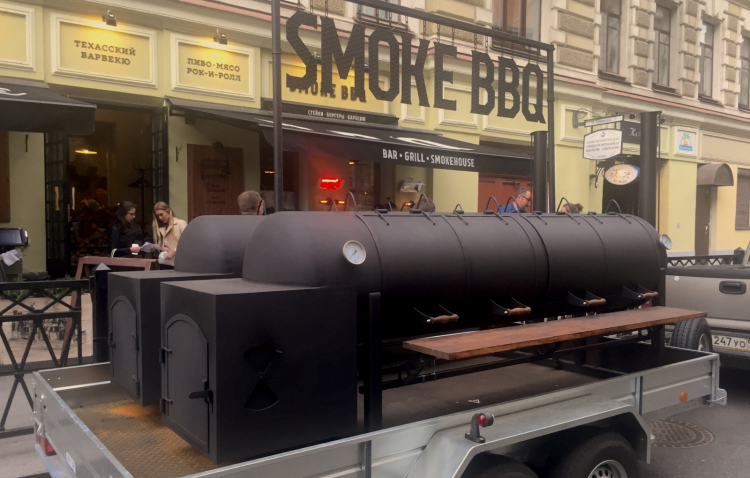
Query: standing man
{"x":250,"y":203}
{"x":522,"y":199}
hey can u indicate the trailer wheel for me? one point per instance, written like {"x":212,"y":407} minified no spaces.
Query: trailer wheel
{"x":692,"y":334}
{"x":607,"y":455}
{"x":497,"y":466}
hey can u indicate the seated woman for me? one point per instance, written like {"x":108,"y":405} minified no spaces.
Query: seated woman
{"x":125,"y":237}
{"x":167,"y":230}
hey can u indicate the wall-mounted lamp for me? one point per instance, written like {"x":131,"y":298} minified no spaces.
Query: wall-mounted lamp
{"x":109,"y":18}
{"x":220,"y":38}
{"x":268,"y":172}
{"x":407,"y":204}
{"x":85,"y":151}
{"x":411,"y":186}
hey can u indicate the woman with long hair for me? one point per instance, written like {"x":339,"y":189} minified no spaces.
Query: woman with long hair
{"x":167,"y":230}
{"x":125,"y":236}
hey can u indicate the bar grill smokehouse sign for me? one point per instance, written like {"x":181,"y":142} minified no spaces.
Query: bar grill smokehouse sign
{"x":508,"y":75}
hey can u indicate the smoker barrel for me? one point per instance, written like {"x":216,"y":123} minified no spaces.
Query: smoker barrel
{"x":462,"y":261}
{"x":215,"y":244}
{"x":210,"y":248}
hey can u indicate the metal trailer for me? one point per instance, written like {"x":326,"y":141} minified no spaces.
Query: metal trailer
{"x":524,"y":427}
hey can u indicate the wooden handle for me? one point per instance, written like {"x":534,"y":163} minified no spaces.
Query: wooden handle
{"x":650,"y":295}
{"x":444,"y":319}
{"x":520,"y":311}
{"x":595,"y":302}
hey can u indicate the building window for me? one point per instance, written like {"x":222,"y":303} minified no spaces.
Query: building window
{"x":379,"y":14}
{"x":518,"y":17}
{"x":745,"y":73}
{"x":663,"y":29}
{"x":707,"y":60}
{"x":609,"y":36}
{"x":742,"y":213}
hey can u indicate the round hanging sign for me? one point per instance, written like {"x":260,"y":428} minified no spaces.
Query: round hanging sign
{"x":621,"y":174}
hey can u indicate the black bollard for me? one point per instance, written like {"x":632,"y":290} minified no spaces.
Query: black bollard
{"x":100,"y":310}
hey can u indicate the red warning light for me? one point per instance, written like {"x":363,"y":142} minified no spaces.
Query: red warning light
{"x":330,"y":183}
{"x":482,"y":420}
{"x":46,"y":446}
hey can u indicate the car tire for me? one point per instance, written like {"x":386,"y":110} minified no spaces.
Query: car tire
{"x":487,"y":465}
{"x":606,"y":455}
{"x":692,"y":334}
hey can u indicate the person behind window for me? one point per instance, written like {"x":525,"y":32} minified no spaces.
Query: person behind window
{"x":167,"y":230}
{"x":250,"y":203}
{"x":125,"y":237}
{"x":521,"y":201}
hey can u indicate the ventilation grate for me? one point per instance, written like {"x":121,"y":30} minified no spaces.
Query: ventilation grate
{"x":261,"y":360}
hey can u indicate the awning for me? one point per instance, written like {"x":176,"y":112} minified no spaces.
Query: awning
{"x":31,"y":107}
{"x":715,"y":174}
{"x":370,"y":142}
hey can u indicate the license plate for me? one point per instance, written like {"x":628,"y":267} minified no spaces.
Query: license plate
{"x":731,"y":343}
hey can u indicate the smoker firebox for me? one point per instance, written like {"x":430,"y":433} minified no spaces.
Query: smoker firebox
{"x":249,"y":369}
{"x":211,"y":247}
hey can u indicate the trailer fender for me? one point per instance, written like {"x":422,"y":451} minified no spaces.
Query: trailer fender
{"x":449,"y":452}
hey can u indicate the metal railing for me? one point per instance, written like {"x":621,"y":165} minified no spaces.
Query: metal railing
{"x":687,"y":261}
{"x":31,"y":321}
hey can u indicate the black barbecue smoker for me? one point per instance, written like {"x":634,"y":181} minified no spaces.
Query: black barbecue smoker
{"x":283,"y":347}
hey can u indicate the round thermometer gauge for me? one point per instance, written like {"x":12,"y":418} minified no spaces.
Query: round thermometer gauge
{"x":354,"y":252}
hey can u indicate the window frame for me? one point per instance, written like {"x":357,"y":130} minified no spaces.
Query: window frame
{"x":704,"y":47}
{"x":745,"y":66}
{"x":376,"y":18}
{"x":604,"y":46}
{"x":497,"y":43}
{"x":657,"y":44}
{"x":743,"y":177}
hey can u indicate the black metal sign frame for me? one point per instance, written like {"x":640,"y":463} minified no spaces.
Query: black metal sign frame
{"x":426,"y":17}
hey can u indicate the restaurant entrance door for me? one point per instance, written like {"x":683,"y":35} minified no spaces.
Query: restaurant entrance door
{"x":87,"y":175}
{"x":215,"y":179}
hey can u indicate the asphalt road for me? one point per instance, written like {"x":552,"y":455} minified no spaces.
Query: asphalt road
{"x":729,"y":454}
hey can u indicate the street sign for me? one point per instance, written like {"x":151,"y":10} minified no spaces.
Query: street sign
{"x":621,"y":174}
{"x":602,"y":144}
{"x":601,"y":121}
{"x":631,"y":132}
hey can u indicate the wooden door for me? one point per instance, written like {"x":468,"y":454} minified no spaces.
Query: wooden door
{"x":215,"y":179}
{"x":702,"y":220}
{"x":499,"y":187}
